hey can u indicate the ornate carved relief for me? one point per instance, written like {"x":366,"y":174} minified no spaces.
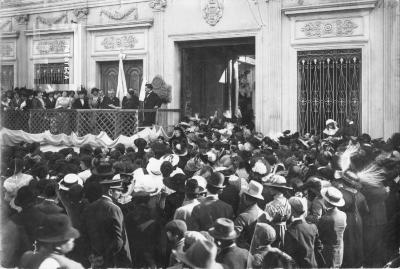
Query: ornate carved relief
{"x":213,"y":11}
{"x":7,"y":50}
{"x":81,"y":13}
{"x":158,"y":5}
{"x":57,"y":46}
{"x":5,"y":26}
{"x":63,"y":18}
{"x":22,"y":19}
{"x":329,"y":28}
{"x":121,"y":42}
{"x":119,"y":15}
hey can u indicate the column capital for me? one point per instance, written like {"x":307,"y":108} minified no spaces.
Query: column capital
{"x":22,"y":19}
{"x":81,"y":13}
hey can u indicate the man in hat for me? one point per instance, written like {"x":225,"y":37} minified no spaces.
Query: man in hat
{"x":50,"y":100}
{"x":301,"y":238}
{"x":246,"y":221}
{"x":131,"y":100}
{"x":192,"y":192}
{"x":175,"y":230}
{"x":331,"y":227}
{"x":317,"y":207}
{"x":104,"y":228}
{"x":225,"y":236}
{"x":82,"y":102}
{"x":211,"y":208}
{"x":151,"y":101}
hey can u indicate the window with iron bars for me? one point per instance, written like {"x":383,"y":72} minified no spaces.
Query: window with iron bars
{"x":329,"y":87}
{"x":50,"y":73}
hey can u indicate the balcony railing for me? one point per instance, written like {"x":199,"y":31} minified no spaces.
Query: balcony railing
{"x":84,"y":121}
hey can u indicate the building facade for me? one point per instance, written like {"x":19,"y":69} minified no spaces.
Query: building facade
{"x":293,"y":63}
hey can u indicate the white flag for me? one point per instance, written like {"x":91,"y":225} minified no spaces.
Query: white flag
{"x":121,"y":88}
{"x":142,"y":93}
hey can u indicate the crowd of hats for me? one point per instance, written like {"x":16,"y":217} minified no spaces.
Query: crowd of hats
{"x":203,"y":153}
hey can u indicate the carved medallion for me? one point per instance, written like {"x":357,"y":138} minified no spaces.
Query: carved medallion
{"x":212,"y":11}
{"x":317,"y":29}
{"x":122,"y":42}
{"x":158,"y":5}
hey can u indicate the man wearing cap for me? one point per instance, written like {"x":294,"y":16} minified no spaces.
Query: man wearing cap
{"x":331,"y":227}
{"x":103,"y":225}
{"x":211,"y":208}
{"x":151,"y":101}
{"x":301,"y":238}
{"x":246,"y":221}
{"x":192,"y":192}
{"x":175,"y":230}
{"x":225,"y":236}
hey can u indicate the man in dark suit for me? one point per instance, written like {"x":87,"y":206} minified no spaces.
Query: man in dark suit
{"x":331,"y":227}
{"x":246,"y":222}
{"x":151,"y":101}
{"x":103,"y":225}
{"x":110,"y":101}
{"x":301,"y":238}
{"x":50,"y":101}
{"x":225,"y":236}
{"x":211,"y":208}
{"x":131,"y":101}
{"x":37,"y":101}
{"x":82,"y":102}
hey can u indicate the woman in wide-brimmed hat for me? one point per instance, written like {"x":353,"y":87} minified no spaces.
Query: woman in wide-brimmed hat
{"x":278,"y":210}
{"x":55,"y":238}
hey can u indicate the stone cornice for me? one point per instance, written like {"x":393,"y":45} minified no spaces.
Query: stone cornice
{"x":36,"y":8}
{"x":129,"y":24}
{"x":9,"y":35}
{"x":330,"y":7}
{"x":48,"y":31}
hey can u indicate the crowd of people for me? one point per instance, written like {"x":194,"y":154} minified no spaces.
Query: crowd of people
{"x":24,"y":99}
{"x":213,"y":195}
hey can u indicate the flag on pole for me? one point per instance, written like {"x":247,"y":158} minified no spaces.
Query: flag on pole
{"x":121,"y":88}
{"x":142,"y":93}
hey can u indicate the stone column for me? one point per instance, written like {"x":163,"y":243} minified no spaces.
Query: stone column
{"x":391,"y":49}
{"x":158,"y":7}
{"x":268,"y":96}
{"x":79,"y":53}
{"x":22,"y":51}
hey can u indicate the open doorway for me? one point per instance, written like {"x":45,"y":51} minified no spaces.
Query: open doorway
{"x":218,"y":75}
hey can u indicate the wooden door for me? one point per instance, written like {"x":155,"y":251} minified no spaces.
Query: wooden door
{"x":109,"y":74}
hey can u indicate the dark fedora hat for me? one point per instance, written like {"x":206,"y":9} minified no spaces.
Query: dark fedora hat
{"x":176,"y":182}
{"x":223,"y":229}
{"x":103,"y":169}
{"x":216,"y":180}
{"x":114,"y":183}
{"x":192,"y":187}
{"x":24,"y":197}
{"x":56,"y":228}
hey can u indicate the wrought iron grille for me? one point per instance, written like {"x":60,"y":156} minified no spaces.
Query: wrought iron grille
{"x":50,"y":73}
{"x":329,"y":87}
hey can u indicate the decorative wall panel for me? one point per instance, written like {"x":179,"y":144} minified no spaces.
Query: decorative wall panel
{"x":7,"y":49}
{"x":127,"y":41}
{"x":52,"y":46}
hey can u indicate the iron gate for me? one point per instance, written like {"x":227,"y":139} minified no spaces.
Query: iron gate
{"x":329,"y":87}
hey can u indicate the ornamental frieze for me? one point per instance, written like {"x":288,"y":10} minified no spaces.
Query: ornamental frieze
{"x":22,"y":19}
{"x":213,"y":11}
{"x":329,"y":28}
{"x":120,"y":42}
{"x":58,"y":46}
{"x":5,"y":26}
{"x":119,"y":15}
{"x":63,"y":18}
{"x":81,"y":13}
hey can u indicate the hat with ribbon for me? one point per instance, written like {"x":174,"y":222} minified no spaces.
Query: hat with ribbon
{"x":69,"y":180}
{"x":223,"y":229}
{"x":201,"y":254}
{"x":103,"y":169}
{"x":276,"y":181}
{"x":56,"y":228}
{"x":333,"y":196}
{"x":254,"y":190}
{"x":145,"y":185}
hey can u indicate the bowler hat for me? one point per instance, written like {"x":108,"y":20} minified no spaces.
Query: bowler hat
{"x":223,"y":229}
{"x":333,"y":196}
{"x":276,"y":181}
{"x":103,"y":169}
{"x":255,"y":190}
{"x":216,"y":180}
{"x":56,"y":228}
{"x":201,"y":254}
{"x":176,"y":182}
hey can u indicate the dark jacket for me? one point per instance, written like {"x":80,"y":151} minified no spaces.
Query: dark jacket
{"x":234,"y":257}
{"x":210,"y":209}
{"x":152,"y":100}
{"x":331,"y":229}
{"x":130,"y":103}
{"x":78,"y":105}
{"x":301,"y":240}
{"x":107,"y":101}
{"x":103,"y":225}
{"x":50,"y":104}
{"x":36,"y":104}
{"x":245,"y":224}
